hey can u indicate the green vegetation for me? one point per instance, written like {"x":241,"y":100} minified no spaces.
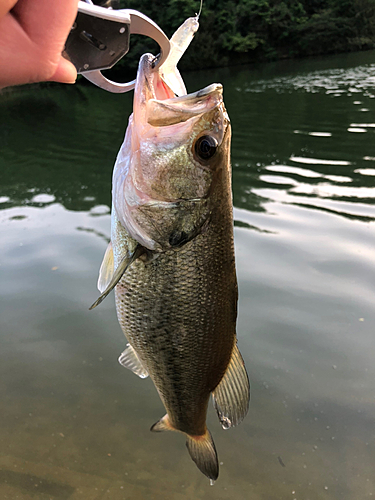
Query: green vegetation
{"x":258,"y":30}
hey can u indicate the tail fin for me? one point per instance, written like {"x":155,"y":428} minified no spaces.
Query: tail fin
{"x":201,"y":448}
{"x":203,"y":452}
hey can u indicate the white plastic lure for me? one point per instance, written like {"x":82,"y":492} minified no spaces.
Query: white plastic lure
{"x":179,"y":43}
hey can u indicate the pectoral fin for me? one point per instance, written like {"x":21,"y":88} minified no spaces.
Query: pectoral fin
{"x":231,"y":397}
{"x":129,"y":359}
{"x":106,"y":269}
{"x":117,"y":275}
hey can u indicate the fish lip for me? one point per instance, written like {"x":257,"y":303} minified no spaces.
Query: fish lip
{"x":179,"y":109}
{"x":210,"y":89}
{"x":214,"y":88}
{"x":205,"y":93}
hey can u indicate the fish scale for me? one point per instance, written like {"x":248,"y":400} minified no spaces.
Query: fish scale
{"x":177,"y":306}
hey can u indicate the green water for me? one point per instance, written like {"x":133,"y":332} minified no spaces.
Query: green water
{"x":74,"y":424}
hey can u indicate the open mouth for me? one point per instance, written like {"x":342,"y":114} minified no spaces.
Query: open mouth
{"x":173,"y":110}
{"x":158,"y":103}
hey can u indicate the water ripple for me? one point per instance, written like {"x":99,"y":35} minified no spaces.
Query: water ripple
{"x":317,"y":161}
{"x":333,"y":81}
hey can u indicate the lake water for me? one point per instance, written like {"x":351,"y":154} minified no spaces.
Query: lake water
{"x":73,"y":423}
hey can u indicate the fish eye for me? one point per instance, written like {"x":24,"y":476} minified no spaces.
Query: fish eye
{"x":205,"y":147}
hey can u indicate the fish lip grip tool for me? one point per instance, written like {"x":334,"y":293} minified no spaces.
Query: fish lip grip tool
{"x":99,"y":38}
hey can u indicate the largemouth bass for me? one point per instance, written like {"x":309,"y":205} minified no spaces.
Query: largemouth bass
{"x":171,"y":256}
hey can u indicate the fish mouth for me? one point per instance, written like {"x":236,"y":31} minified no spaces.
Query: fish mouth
{"x":180,"y":109}
{"x":163,"y":107}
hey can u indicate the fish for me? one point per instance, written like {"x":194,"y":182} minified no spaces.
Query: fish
{"x":171,"y":256}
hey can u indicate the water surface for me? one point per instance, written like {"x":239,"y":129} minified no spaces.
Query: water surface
{"x":73,"y":423}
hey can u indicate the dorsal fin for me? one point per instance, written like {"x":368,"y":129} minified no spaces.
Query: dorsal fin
{"x":232,"y":396}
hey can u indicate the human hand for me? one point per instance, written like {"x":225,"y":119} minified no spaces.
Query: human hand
{"x":32,"y":37}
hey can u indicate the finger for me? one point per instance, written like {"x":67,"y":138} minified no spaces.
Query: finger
{"x":46,"y":21}
{"x":6,"y":6}
{"x":65,"y":72}
{"x":25,"y":62}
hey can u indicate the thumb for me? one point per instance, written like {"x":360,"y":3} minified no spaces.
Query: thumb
{"x":65,"y":72}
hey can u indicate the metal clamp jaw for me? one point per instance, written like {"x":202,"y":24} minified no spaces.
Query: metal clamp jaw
{"x":99,"y":38}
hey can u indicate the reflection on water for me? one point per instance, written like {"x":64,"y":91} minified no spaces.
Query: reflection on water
{"x":74,"y":423}
{"x":336,"y":82}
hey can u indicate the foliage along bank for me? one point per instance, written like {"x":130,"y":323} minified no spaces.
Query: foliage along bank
{"x":233,"y":32}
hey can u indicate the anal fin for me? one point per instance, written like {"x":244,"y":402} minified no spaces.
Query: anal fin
{"x":232,"y":396}
{"x":162,"y":425}
{"x":130,"y":360}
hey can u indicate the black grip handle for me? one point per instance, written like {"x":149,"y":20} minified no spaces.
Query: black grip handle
{"x":95,"y":43}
